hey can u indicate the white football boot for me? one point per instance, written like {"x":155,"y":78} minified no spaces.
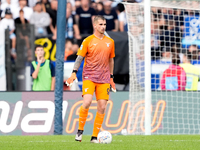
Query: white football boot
{"x":79,"y":135}
{"x":94,"y":140}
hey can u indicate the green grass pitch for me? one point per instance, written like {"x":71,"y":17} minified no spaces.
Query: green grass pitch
{"x":135,"y":142}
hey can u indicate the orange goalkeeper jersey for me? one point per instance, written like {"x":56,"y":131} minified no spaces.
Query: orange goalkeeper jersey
{"x":97,"y":53}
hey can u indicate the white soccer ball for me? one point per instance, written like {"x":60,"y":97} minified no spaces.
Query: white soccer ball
{"x":104,"y":137}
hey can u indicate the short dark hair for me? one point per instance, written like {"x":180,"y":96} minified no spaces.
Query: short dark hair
{"x":36,"y":46}
{"x":193,"y":45}
{"x":188,"y":56}
{"x":96,"y":18}
{"x":68,"y":40}
{"x":38,"y":3}
{"x":175,"y":59}
{"x":120,"y":7}
{"x":194,"y":55}
{"x":101,"y":3}
{"x":21,"y":10}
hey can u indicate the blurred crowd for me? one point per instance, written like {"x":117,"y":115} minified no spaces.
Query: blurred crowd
{"x":169,"y":28}
{"x":43,"y":15}
{"x":167,"y":24}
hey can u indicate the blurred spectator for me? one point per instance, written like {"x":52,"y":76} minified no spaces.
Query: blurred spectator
{"x":157,"y":13}
{"x":94,"y":5}
{"x":5,"y":5}
{"x":192,"y":73}
{"x":27,"y":10}
{"x":157,"y":17}
{"x":6,"y":22}
{"x":77,"y":5}
{"x":40,"y":19}
{"x":13,"y":2}
{"x":42,"y":71}
{"x":171,"y":35}
{"x":0,"y":10}
{"x":168,"y":13}
{"x":84,"y":16}
{"x":174,"y":78}
{"x":179,"y":18}
{"x":155,"y":40}
{"x":193,"y":48}
{"x":110,"y":15}
{"x":176,"y":49}
{"x":21,"y":24}
{"x":74,"y":49}
{"x":122,"y":17}
{"x":195,"y":52}
{"x":166,"y":55}
{"x":99,"y":7}
{"x":52,"y":11}
{"x":45,"y":5}
{"x":31,"y":3}
{"x":71,"y":26}
{"x":68,"y":49}
{"x":195,"y":55}
{"x":21,"y":19}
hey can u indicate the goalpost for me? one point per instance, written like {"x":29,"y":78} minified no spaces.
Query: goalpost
{"x":157,"y":31}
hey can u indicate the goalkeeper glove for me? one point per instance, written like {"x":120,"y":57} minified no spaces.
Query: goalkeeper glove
{"x":112,"y":84}
{"x":71,"y":79}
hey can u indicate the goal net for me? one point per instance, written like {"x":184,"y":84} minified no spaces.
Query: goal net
{"x":175,"y":69}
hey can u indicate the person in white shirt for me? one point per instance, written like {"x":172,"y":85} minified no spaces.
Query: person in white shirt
{"x":27,"y":10}
{"x":13,"y":2}
{"x":6,"y":22}
{"x":7,"y":4}
{"x":122,"y":18}
{"x":31,"y":3}
{"x":40,"y":19}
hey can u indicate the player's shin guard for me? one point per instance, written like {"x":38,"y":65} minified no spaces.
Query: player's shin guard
{"x":97,"y":124}
{"x":82,"y":117}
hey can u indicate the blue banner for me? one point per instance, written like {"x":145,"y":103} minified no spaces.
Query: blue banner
{"x":192,"y":31}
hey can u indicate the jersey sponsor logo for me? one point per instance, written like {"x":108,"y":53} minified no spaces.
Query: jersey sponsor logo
{"x":108,"y":44}
{"x":86,"y":89}
{"x":108,"y":17}
{"x":85,"y":15}
{"x":81,"y":47}
{"x":95,"y":44}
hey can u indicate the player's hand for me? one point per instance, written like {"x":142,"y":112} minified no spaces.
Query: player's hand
{"x":112,"y":84}
{"x":71,"y":79}
{"x":39,"y":60}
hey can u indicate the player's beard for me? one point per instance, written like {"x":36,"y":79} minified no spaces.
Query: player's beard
{"x":102,"y":31}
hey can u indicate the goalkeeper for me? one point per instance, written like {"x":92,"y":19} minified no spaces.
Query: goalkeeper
{"x":99,"y":52}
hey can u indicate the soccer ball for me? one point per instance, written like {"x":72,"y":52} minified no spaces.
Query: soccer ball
{"x":104,"y":137}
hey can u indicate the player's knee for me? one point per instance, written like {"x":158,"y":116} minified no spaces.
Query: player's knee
{"x":86,"y":105}
{"x":101,"y":109}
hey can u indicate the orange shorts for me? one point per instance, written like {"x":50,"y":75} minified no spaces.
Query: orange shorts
{"x":101,"y":89}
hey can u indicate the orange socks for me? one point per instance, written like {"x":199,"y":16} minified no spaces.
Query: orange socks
{"x":97,"y":124}
{"x":82,"y":117}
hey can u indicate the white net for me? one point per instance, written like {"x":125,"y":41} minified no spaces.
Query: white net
{"x":175,"y":67}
